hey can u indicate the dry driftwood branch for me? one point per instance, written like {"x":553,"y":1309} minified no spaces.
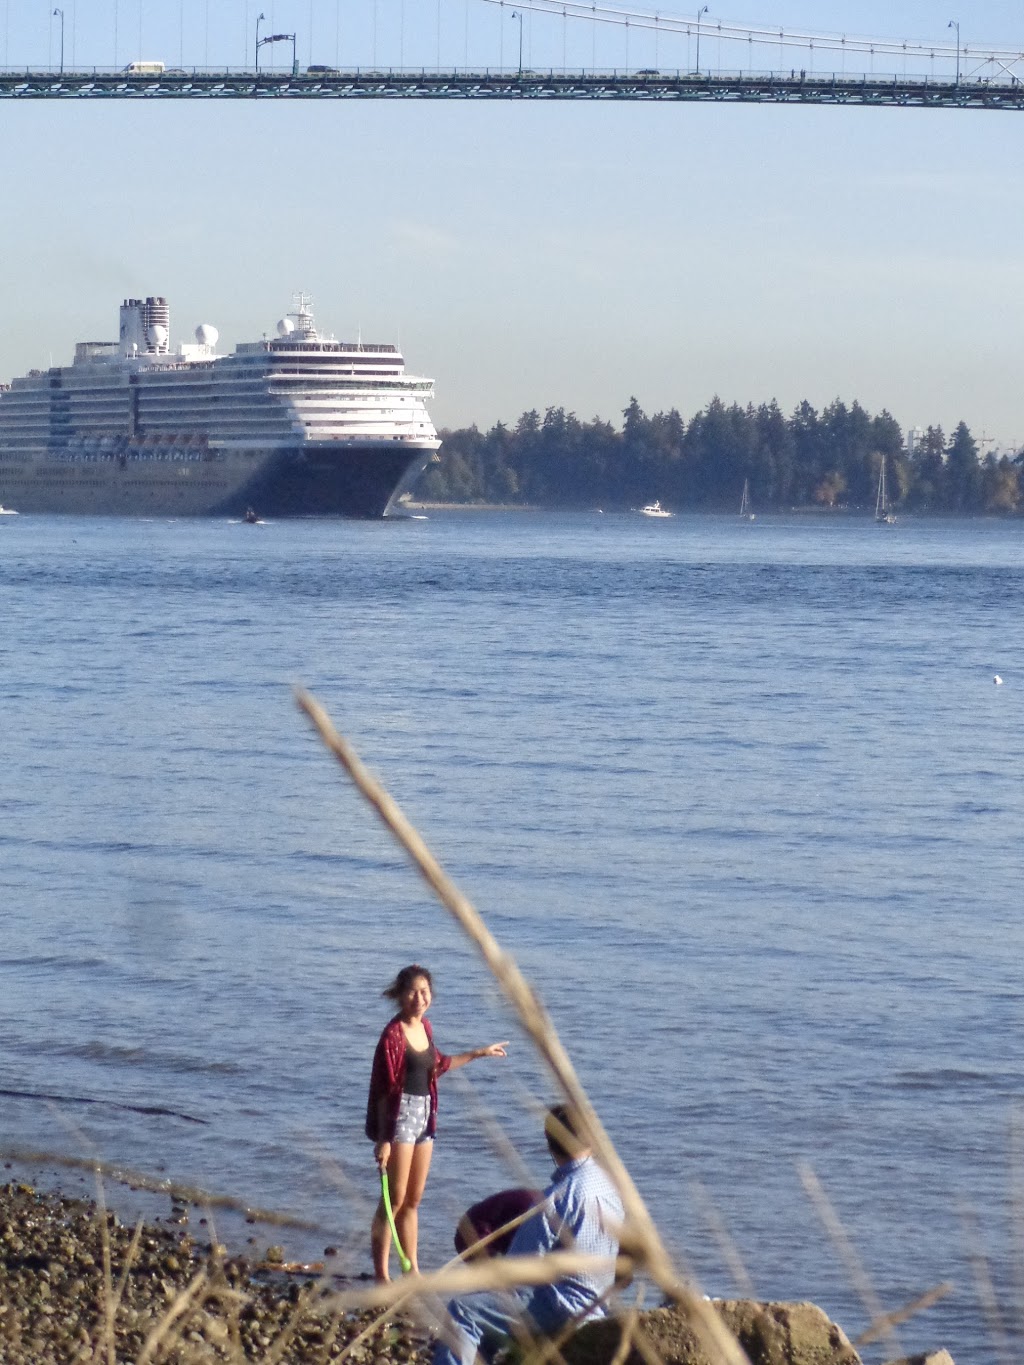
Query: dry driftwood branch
{"x":640,"y":1232}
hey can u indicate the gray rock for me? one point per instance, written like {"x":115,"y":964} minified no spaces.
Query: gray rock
{"x":770,"y":1333}
{"x":928,"y":1358}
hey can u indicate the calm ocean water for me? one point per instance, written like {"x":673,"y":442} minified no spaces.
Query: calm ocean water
{"x":741,"y":798}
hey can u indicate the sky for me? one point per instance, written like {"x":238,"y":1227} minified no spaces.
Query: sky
{"x":568,"y":255}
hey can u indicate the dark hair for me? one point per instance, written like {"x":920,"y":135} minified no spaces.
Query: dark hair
{"x":404,"y":980}
{"x":561,"y":1125}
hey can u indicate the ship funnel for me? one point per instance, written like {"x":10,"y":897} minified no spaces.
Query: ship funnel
{"x":145,"y":327}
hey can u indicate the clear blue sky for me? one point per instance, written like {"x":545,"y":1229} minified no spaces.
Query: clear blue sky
{"x":528,"y":256}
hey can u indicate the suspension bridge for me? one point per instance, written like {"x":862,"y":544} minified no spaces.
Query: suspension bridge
{"x":644,"y":85}
{"x":657,"y":57}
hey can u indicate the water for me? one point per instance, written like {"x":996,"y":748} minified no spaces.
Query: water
{"x":741,"y":798}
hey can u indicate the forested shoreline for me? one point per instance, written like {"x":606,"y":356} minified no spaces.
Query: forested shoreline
{"x":827,"y":459}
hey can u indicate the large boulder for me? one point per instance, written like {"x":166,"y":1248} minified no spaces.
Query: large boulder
{"x":770,"y":1333}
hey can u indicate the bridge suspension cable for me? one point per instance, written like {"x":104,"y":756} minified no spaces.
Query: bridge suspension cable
{"x":666,"y":22}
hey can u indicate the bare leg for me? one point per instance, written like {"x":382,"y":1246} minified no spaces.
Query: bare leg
{"x":380,"y":1244}
{"x":380,"y":1233}
{"x":407,"y":1218}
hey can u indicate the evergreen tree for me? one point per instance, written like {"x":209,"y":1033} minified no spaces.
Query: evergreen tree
{"x":963,"y":472}
{"x":772,"y":482}
{"x":928,"y":470}
{"x":809,"y":463}
{"x":1000,"y":484}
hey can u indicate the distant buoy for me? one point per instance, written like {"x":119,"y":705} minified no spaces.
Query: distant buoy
{"x":998,"y":680}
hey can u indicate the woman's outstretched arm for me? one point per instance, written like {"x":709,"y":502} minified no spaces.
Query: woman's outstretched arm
{"x":462,"y":1058}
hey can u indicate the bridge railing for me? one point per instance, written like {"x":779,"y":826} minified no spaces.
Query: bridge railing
{"x":506,"y":70}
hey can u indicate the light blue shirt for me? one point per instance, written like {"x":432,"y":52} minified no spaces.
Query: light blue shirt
{"x":582,"y":1212}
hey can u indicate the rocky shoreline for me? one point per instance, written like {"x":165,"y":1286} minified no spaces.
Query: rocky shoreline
{"x":77,"y":1287}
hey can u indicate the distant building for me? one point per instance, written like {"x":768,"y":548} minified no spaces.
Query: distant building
{"x":914,"y":438}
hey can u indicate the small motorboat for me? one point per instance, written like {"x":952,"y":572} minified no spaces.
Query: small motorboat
{"x":250,"y":517}
{"x":655,"y":509}
{"x":7,"y":511}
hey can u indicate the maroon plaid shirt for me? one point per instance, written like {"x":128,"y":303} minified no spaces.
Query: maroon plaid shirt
{"x":387,"y":1079}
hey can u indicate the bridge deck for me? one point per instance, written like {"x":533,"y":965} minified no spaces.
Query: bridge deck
{"x":797,"y":88}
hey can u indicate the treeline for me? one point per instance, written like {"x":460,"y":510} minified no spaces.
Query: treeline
{"x":829,"y":459}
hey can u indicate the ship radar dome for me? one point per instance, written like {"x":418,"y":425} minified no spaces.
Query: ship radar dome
{"x":158,"y":335}
{"x":207,"y":335}
{"x":285,"y":327}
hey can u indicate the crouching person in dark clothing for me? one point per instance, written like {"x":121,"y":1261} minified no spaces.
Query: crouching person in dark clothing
{"x":482,"y":1229}
{"x":581,"y":1212}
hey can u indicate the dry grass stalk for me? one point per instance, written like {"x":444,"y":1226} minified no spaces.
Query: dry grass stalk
{"x":878,"y":1329}
{"x":108,"y":1287}
{"x":330,"y":1337}
{"x":646,"y":1347}
{"x":847,"y":1253}
{"x":985,"y":1288}
{"x":630,"y":1327}
{"x":286,"y":1335}
{"x":502,"y":1272}
{"x":501,"y":1144}
{"x":129,"y":1261}
{"x":640,"y":1232}
{"x":727,"y":1248}
{"x":181,"y":1305}
{"x":545,"y":1350}
{"x":484,"y":1242}
{"x":1017,"y":1211}
{"x":413,"y":1289}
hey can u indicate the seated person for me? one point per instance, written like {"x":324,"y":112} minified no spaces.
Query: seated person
{"x":490,"y":1214}
{"x":582,"y":1212}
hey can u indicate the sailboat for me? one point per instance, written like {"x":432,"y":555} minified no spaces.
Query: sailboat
{"x":745,"y":511}
{"x":883,"y":513}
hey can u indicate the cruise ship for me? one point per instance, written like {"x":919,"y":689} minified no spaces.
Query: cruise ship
{"x":297,"y":424}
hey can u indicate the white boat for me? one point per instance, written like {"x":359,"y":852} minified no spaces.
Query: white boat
{"x":884,"y":515}
{"x":7,"y":511}
{"x":655,"y":509}
{"x":745,"y":511}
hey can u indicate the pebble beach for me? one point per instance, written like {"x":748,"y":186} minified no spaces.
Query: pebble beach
{"x":77,"y":1285}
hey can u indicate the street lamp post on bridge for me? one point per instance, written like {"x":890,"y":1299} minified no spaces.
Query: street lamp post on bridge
{"x":260,"y":18}
{"x":518,"y":14}
{"x":955,"y":23}
{"x":59,"y":13}
{"x":703,"y":10}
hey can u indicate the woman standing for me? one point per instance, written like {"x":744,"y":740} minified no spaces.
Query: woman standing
{"x":401,"y":1113}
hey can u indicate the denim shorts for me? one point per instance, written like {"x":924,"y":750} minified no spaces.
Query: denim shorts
{"x":413,"y":1117}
